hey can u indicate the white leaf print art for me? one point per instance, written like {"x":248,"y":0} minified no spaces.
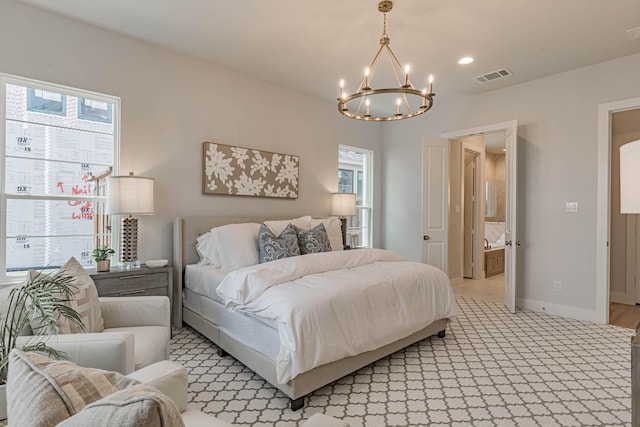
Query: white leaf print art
{"x":243,"y":171}
{"x":217,"y":166}
{"x":247,"y":186}
{"x":241,"y":156}
{"x":260,"y":164}
{"x":288,"y":172}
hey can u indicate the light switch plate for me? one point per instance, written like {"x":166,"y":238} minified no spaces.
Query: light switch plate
{"x":571,"y":207}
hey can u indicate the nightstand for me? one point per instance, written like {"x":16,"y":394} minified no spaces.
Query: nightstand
{"x":120,"y":282}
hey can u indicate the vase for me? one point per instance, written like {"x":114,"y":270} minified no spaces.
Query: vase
{"x":103,"y":265}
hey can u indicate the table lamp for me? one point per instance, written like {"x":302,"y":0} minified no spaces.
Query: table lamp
{"x":129,"y":195}
{"x":343,"y":205}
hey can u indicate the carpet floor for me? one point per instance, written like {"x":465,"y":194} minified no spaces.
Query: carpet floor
{"x":493,"y":368}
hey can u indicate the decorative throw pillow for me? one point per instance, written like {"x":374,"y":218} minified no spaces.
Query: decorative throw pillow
{"x":314,"y":240}
{"x":42,"y":392}
{"x":136,"y":406}
{"x":272,"y":248}
{"x":85,"y":301}
{"x":334,"y":230}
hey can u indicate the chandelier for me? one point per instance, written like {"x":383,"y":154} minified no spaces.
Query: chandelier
{"x":369,"y":103}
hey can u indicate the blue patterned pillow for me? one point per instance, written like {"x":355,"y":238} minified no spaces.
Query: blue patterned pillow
{"x":272,"y":248}
{"x":314,"y":240}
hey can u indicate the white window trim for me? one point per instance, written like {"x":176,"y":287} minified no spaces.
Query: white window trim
{"x":367,"y":174}
{"x":8,"y":278}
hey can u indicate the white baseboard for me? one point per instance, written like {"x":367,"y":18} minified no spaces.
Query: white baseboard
{"x":559,"y":310}
{"x":621,"y":298}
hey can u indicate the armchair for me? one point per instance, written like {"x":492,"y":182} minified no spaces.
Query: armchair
{"x":172,"y":380}
{"x":137,"y":333}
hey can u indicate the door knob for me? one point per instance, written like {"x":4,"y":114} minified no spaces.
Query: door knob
{"x":425,"y":237}
{"x":518,"y":243}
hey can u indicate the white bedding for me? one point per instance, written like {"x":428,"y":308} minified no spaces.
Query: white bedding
{"x":337,"y":304}
{"x":204,"y":279}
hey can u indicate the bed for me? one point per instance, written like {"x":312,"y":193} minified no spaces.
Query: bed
{"x":256,"y":342}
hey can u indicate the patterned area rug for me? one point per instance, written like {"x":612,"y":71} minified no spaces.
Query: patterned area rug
{"x":492,"y":369}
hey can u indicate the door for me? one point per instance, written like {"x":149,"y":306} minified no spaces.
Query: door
{"x":435,"y":196}
{"x":511,"y":238}
{"x":469,"y":197}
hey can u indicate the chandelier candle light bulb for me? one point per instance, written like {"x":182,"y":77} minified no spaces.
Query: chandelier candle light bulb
{"x":416,"y":101}
{"x":406,"y":76}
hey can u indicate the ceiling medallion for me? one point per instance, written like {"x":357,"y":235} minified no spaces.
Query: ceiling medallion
{"x":369,"y":103}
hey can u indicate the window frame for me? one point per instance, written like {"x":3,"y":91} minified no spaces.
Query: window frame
{"x":5,"y":79}
{"x":365,"y":210}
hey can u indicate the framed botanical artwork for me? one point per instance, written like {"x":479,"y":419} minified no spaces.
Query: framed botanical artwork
{"x":240,"y":171}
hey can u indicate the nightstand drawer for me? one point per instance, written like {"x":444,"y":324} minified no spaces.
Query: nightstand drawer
{"x":119,"y":292}
{"x":117,"y":284}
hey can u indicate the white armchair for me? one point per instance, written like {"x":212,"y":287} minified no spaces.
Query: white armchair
{"x":172,"y":379}
{"x":137,"y":333}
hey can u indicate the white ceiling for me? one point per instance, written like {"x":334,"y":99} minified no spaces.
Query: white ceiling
{"x":310,"y":45}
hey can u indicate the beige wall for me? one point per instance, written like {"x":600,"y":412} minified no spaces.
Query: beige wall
{"x":618,"y":230}
{"x":557,"y":163}
{"x":172,"y":103}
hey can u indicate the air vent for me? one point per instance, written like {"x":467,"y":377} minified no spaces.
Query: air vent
{"x":493,"y":75}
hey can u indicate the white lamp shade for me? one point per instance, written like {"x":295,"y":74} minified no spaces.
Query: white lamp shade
{"x":131,"y":195}
{"x":630,"y":178}
{"x":343,"y":204}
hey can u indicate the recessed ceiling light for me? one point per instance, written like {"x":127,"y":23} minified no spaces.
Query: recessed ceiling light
{"x":466,"y":60}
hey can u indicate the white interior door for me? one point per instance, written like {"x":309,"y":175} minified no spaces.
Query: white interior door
{"x":512,"y":243}
{"x":435,"y":196}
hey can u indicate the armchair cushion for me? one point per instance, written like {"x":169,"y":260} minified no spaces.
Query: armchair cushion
{"x":151,"y":343}
{"x":136,"y":406}
{"x":44,"y":392}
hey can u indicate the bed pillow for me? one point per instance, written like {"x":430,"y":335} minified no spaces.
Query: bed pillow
{"x":237,"y":244}
{"x":277,"y":227}
{"x":273,"y":248}
{"x":207,"y":248}
{"x":313,"y":241}
{"x":334,"y":231}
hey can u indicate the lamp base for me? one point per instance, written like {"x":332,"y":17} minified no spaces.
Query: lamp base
{"x":129,"y":249}
{"x":343,"y":228}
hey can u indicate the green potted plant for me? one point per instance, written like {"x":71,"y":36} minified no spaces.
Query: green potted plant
{"x":102,"y":256}
{"x":38,"y":305}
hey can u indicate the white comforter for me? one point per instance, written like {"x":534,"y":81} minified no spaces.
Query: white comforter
{"x":336,"y":304}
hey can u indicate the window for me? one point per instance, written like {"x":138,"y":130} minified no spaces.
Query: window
{"x":355,"y":175}
{"x":53,"y":141}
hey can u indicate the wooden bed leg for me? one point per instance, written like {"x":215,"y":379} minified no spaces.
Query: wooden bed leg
{"x":442,"y":333}
{"x":296,"y":404}
{"x":222,"y":353}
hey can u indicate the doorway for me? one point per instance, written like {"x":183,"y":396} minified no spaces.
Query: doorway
{"x":603,"y":236}
{"x":442,"y":201}
{"x":624,"y":265}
